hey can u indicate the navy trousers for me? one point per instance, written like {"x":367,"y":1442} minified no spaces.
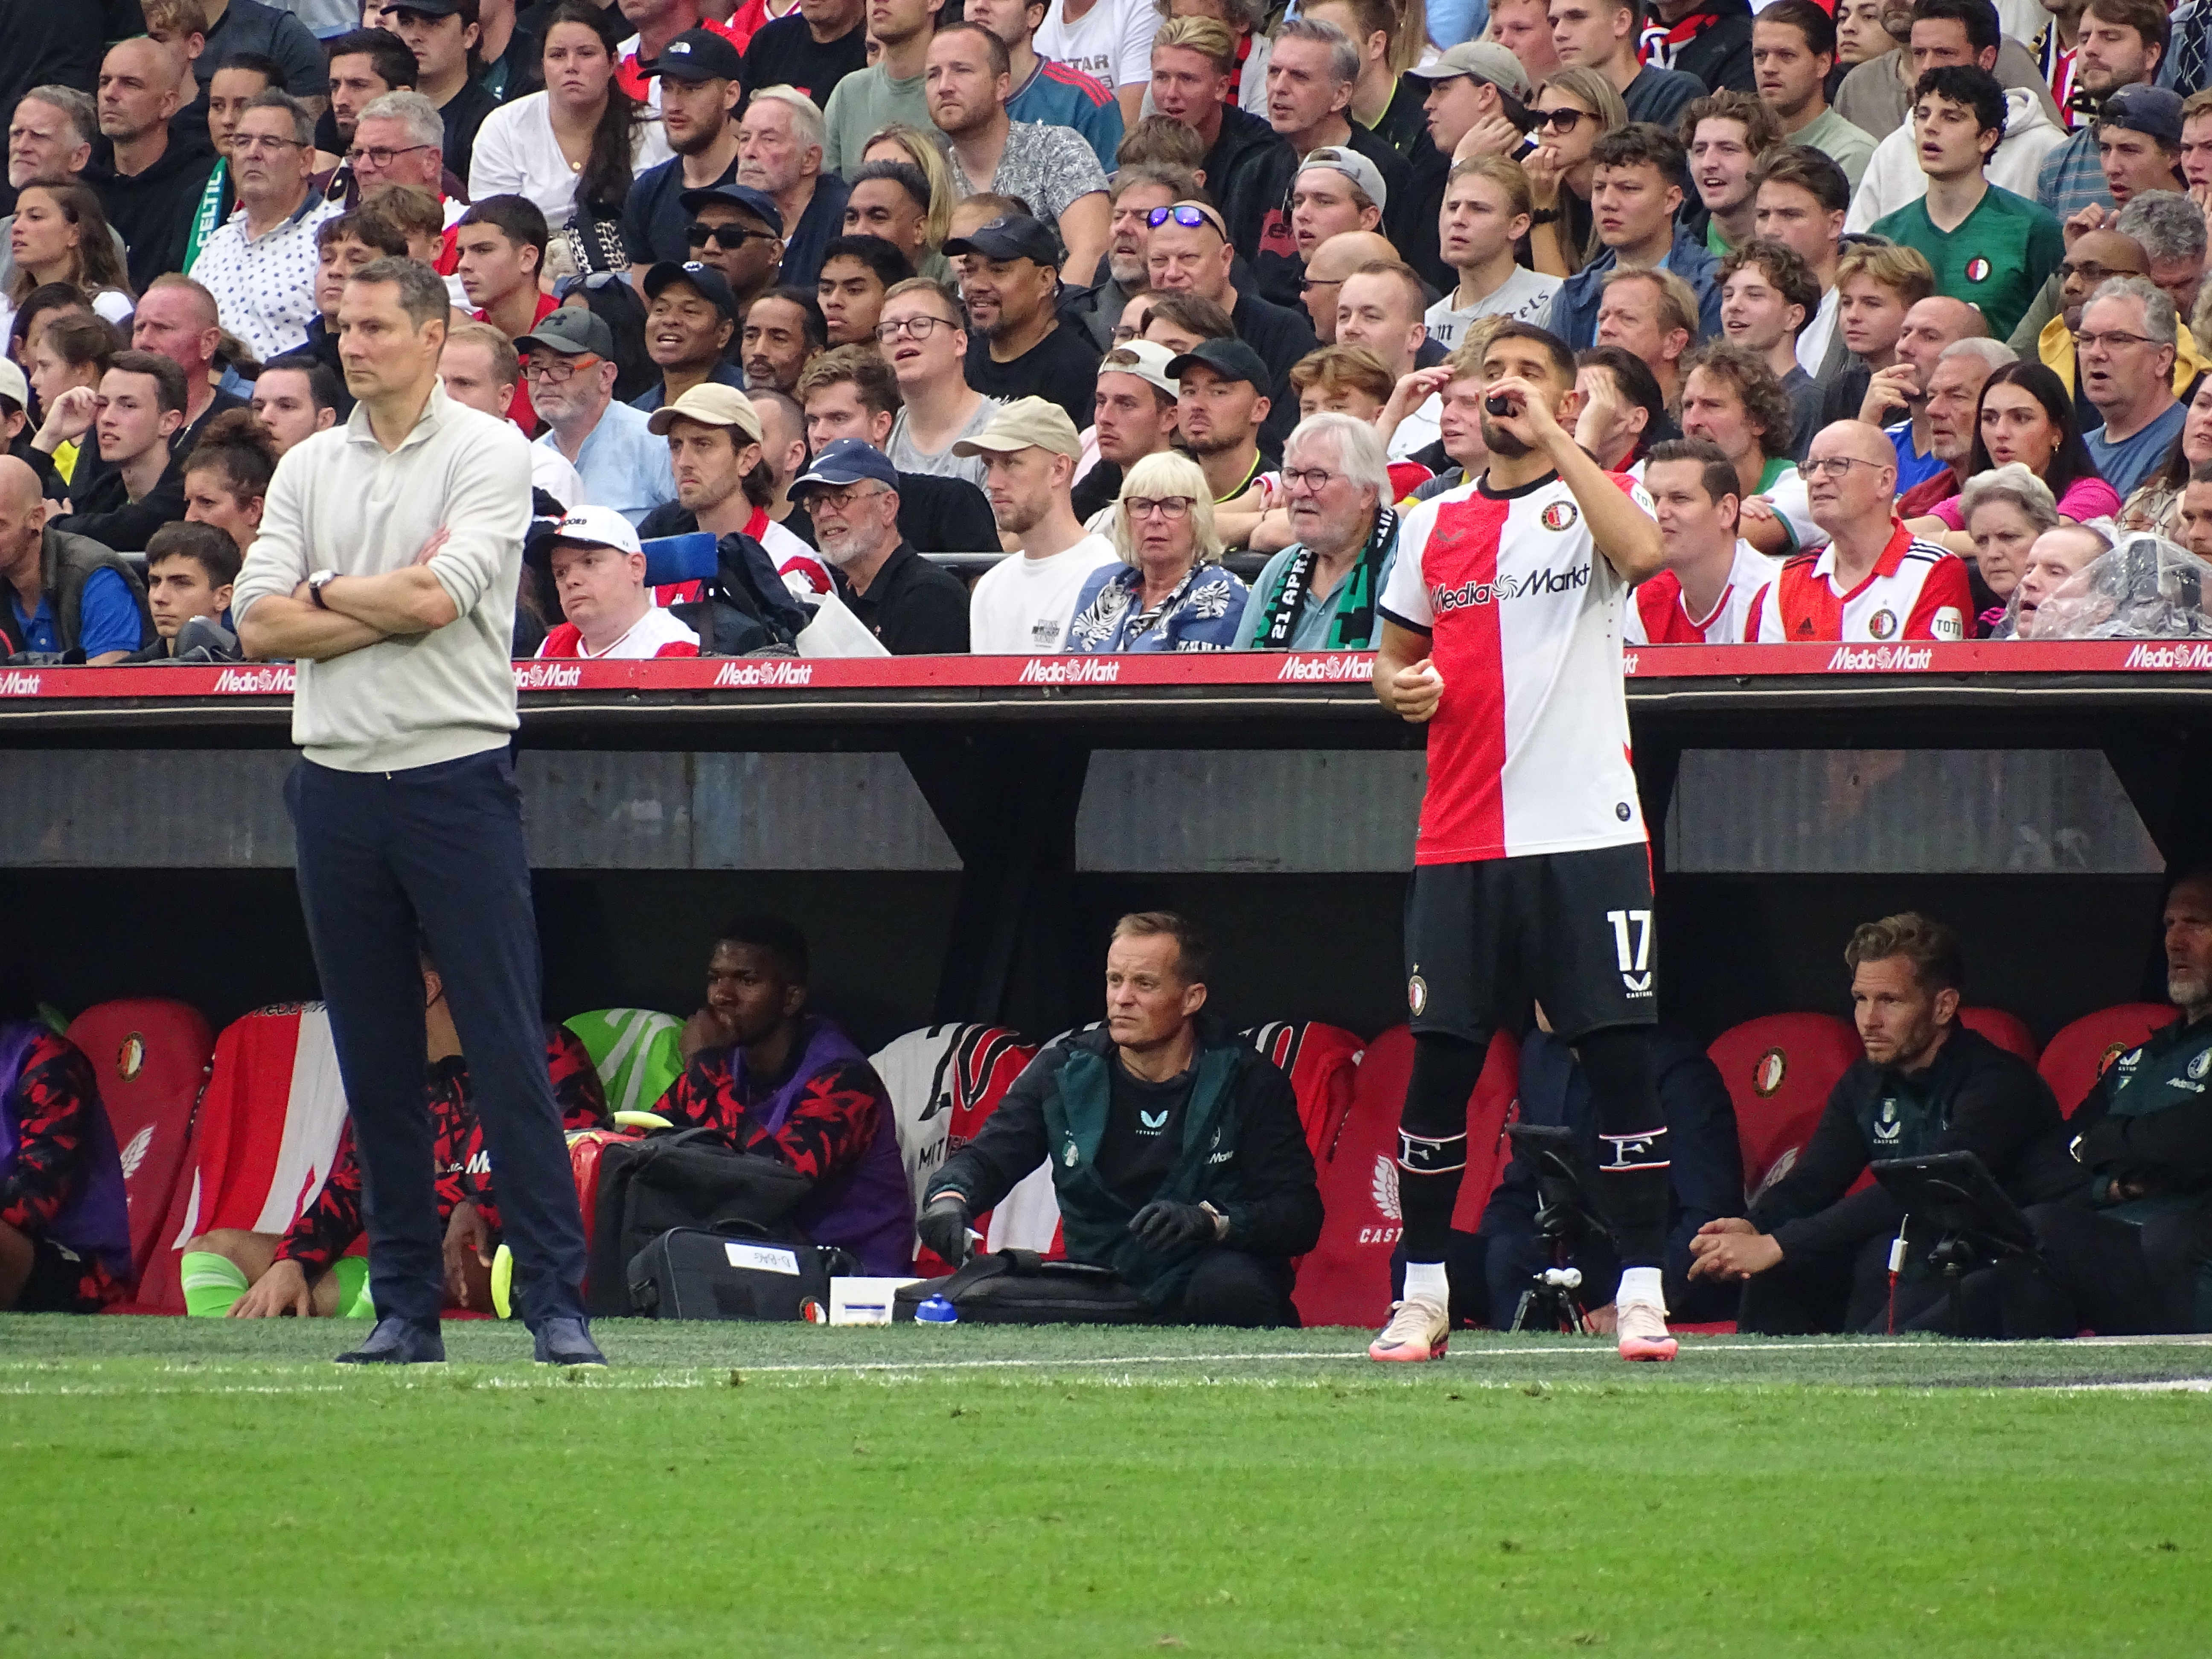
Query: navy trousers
{"x":440,"y":846}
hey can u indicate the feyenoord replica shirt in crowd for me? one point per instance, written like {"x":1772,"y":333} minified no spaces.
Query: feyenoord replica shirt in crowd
{"x":1658,"y":616}
{"x":1528,"y":750}
{"x":1916,"y":591}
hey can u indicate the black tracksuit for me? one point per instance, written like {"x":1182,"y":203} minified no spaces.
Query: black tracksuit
{"x":1973,"y":1097}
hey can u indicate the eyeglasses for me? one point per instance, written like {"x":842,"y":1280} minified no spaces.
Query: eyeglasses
{"x":1190,"y":218}
{"x":1313,"y":479}
{"x":1563,"y":120}
{"x":914,"y":328}
{"x":845,"y":499}
{"x":556,"y":371}
{"x":242,"y":144}
{"x":2109,"y":340}
{"x":2092,"y":272}
{"x":1166,"y":507}
{"x":1835,"y":466}
{"x":1308,"y":285}
{"x":379,"y":158}
{"x":728,"y":237}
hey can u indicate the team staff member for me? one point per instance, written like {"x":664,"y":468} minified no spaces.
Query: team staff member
{"x":64,"y":1233}
{"x":1532,"y":873}
{"x":2132,"y":1258}
{"x":1812,"y":1255}
{"x":386,"y":567}
{"x":1175,"y":1148}
{"x":306,"y":1270}
{"x":782,"y":1083}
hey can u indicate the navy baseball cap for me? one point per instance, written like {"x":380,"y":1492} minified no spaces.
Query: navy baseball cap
{"x":2153,"y":111}
{"x":758,"y":202}
{"x":697,"y":54}
{"x":847,"y":461}
{"x":571,"y":330}
{"x":1231,"y":359}
{"x":1011,"y":237}
{"x":710,"y":283}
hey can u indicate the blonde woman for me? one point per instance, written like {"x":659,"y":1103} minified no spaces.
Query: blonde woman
{"x":1169,"y":592}
{"x":1573,"y":107}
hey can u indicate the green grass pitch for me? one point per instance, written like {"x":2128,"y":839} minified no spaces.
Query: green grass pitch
{"x":215,"y":1488}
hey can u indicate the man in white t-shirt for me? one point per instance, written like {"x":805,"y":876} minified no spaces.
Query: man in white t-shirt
{"x":1486,"y":213}
{"x":1023,"y":603}
{"x":1110,"y":41}
{"x":599,"y":571}
{"x":1705,"y":595}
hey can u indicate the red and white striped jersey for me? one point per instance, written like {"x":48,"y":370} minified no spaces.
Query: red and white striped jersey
{"x":1915,"y":591}
{"x":1528,"y":750}
{"x":1658,"y":616}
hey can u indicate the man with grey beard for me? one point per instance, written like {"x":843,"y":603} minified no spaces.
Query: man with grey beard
{"x":1136,"y":191}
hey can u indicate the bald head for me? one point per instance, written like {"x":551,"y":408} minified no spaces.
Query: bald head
{"x":1339,"y":256}
{"x":1933,"y":324}
{"x":22,"y":516}
{"x":19,"y":485}
{"x":1859,"y":439}
{"x":2096,"y":256}
{"x":138,"y":83}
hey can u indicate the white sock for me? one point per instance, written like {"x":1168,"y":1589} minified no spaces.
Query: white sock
{"x":1643,"y":1284}
{"x":1427,"y":1280}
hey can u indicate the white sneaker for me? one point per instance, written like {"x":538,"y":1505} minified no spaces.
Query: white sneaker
{"x":1418,"y":1330}
{"x":1641,"y":1327}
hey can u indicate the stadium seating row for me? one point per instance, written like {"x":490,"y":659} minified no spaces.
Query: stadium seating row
{"x":239,"y":1130}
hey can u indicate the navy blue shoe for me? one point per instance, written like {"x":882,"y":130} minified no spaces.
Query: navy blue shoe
{"x":568,"y":1342}
{"x":397,"y":1341}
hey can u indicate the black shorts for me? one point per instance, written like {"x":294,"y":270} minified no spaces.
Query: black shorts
{"x":1572,"y":930}
{"x":61,"y":1281}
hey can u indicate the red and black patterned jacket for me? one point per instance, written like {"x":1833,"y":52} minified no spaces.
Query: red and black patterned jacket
{"x":327,"y":1228}
{"x":825,"y":1133}
{"x":56,"y":1090}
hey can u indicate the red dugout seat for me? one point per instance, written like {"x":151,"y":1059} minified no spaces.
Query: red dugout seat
{"x":1322,"y":1063}
{"x":2009,"y":1031}
{"x":2078,"y":1054}
{"x":1345,"y":1279}
{"x":262,"y":1142}
{"x":1779,"y":1069}
{"x":150,"y":1056}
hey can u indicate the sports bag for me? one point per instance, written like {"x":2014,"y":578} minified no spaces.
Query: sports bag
{"x":687,"y":1273}
{"x":1020,"y":1287}
{"x":692,"y":1178}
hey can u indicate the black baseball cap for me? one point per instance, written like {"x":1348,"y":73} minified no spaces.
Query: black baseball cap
{"x":758,"y":202}
{"x":697,"y":54}
{"x":1011,"y":237}
{"x":708,"y":281}
{"x":429,"y":8}
{"x":1231,"y":359}
{"x":571,"y":330}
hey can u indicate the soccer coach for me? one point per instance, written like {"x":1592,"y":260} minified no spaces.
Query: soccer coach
{"x":386,"y":565}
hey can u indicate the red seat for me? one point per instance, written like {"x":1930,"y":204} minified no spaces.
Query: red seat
{"x":1779,"y":1069}
{"x":1322,"y":1062}
{"x":150,"y":1056}
{"x":944,"y":1082}
{"x":262,"y":1142}
{"x":2009,"y":1031}
{"x":1344,"y":1279}
{"x":2078,"y":1054}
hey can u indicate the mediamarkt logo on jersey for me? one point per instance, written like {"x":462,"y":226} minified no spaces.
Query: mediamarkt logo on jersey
{"x":1071,"y":671}
{"x":1333,"y":666}
{"x":1897,"y":658}
{"x":546,"y":676}
{"x":278,"y":679}
{"x":1535,"y":583}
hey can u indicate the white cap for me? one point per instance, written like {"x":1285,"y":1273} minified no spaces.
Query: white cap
{"x":599,"y":526}
{"x":1151,"y":364}
{"x":13,"y":386}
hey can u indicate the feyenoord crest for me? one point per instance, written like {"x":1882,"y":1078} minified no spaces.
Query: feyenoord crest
{"x":1766,"y":1076}
{"x":1560,"y":515}
{"x":1882,"y":624}
{"x":1417,"y":995}
{"x":1978,"y":269}
{"x":130,"y":1057}
{"x":2200,"y":1066}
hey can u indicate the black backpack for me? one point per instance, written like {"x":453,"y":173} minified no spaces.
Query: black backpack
{"x":1020,"y":1287}
{"x":692,"y":1179}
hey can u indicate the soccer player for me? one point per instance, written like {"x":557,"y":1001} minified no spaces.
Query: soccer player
{"x":1532,"y":873}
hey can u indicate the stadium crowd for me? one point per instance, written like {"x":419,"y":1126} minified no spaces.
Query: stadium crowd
{"x":1173,"y":313}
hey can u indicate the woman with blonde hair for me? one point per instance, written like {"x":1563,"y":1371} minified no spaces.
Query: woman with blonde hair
{"x":1169,"y":593}
{"x":1573,"y":107}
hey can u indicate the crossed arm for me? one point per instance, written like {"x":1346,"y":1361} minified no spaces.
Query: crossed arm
{"x":356,"y":612}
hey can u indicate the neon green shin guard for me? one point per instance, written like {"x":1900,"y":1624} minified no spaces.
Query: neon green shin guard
{"x":213,"y":1284}
{"x":354,"y":1299}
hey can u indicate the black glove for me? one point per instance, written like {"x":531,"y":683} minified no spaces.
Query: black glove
{"x":943,"y":1227}
{"x":1164,"y":1224}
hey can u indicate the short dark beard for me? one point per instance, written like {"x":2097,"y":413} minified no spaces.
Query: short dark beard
{"x":1502,"y":443}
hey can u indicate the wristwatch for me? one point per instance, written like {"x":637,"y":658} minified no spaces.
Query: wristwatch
{"x":1545,"y":216}
{"x":316,"y":582}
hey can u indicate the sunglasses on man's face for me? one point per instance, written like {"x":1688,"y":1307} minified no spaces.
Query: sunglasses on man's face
{"x":728,"y":237}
